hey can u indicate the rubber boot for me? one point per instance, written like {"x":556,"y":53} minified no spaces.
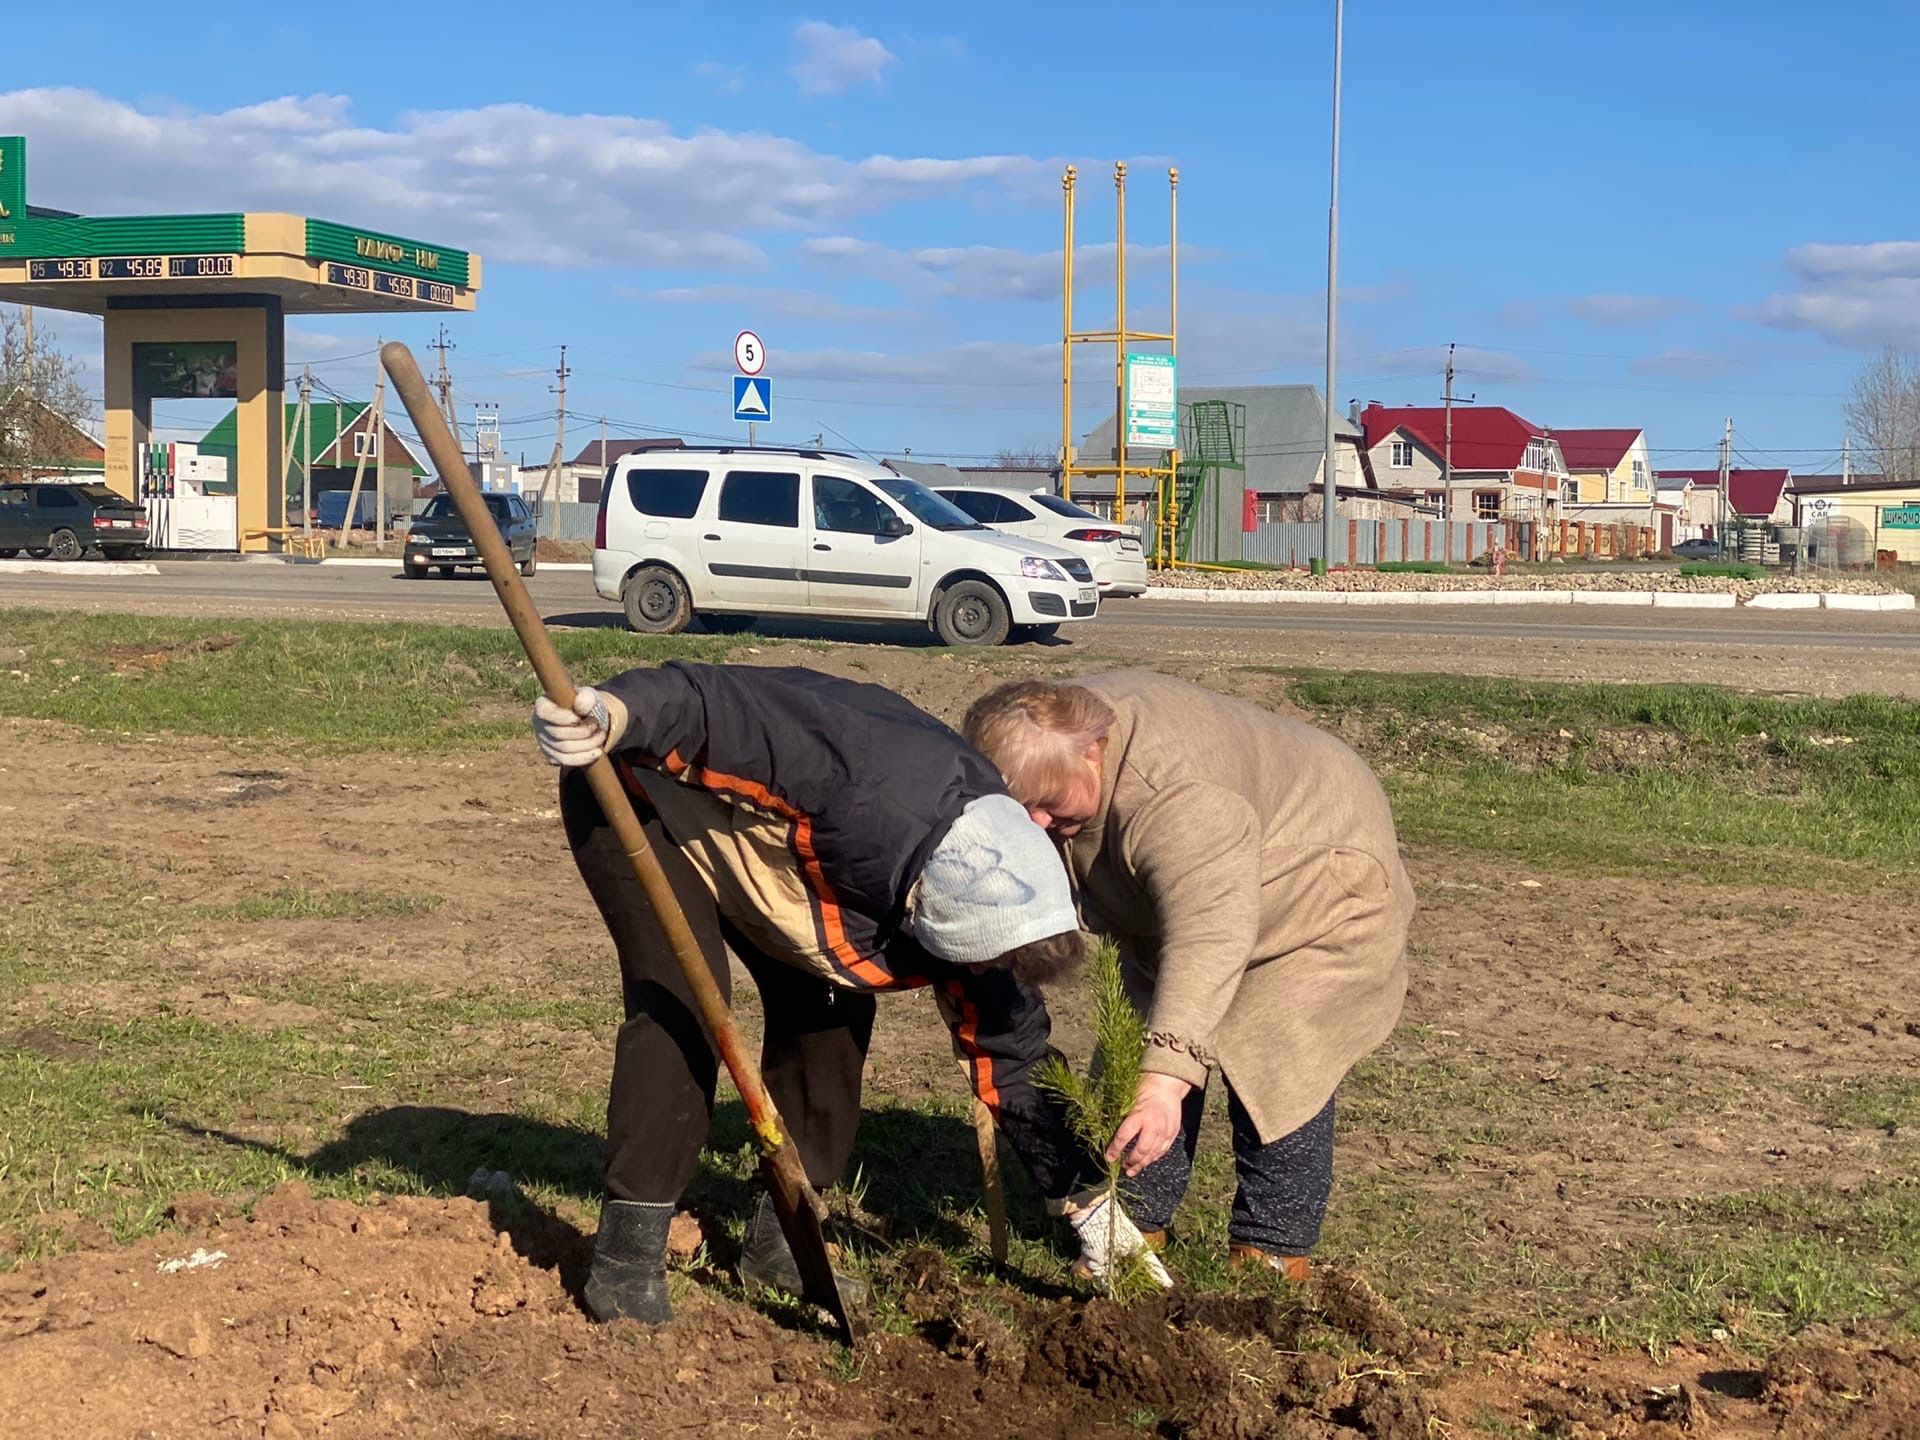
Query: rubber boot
{"x":628,"y":1277}
{"x":1296,"y":1268}
{"x":767,"y":1260}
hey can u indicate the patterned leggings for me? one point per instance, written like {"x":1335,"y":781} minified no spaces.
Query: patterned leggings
{"x":1283,"y":1186}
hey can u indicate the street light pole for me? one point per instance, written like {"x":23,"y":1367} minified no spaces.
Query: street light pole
{"x":1328,"y":494}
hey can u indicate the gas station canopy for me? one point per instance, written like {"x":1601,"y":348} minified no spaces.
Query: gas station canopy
{"x":196,"y":306}
{"x":87,"y":263}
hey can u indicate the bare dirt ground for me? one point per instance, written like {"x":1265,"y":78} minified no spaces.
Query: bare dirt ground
{"x":1585,"y":1064}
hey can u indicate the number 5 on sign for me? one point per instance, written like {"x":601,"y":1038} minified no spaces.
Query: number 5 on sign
{"x":749,"y":355}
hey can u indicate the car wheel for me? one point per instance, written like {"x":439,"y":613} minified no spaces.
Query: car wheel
{"x":529,"y":565}
{"x":656,"y":601}
{"x":1029,"y":634}
{"x":971,"y":613}
{"x":38,"y":552}
{"x":414,"y":572}
{"x":727,"y":624}
{"x":7,"y":553}
{"x":66,"y":545}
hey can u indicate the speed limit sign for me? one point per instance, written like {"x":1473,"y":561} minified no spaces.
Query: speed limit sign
{"x":749,"y":355}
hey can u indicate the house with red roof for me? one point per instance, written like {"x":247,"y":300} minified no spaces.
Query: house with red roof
{"x":1503,"y":467}
{"x":1754,"y":497}
{"x":1609,"y":467}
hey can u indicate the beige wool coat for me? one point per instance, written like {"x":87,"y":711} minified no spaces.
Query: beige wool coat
{"x":1247,"y":866}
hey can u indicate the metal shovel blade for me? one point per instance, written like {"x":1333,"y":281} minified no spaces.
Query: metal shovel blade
{"x":798,"y":1207}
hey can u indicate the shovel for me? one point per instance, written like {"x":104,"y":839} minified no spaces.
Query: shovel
{"x":799,"y":1207}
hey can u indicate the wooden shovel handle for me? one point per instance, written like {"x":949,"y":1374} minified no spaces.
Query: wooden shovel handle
{"x":445,"y":452}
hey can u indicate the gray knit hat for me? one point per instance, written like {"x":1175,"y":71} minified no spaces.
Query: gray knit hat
{"x":993,"y":883}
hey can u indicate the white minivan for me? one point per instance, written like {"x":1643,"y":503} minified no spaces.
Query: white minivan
{"x":726,"y":534}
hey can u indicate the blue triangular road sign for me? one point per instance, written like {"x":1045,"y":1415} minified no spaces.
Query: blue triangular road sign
{"x":752,"y":397}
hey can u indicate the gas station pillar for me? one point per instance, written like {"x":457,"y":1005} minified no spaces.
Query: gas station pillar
{"x":255,"y":325}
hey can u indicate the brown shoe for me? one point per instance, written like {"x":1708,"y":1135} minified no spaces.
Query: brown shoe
{"x":1251,"y":1257}
{"x":1156,"y":1242}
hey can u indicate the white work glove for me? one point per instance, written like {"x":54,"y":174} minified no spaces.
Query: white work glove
{"x":1107,"y":1233}
{"x":578,"y":736}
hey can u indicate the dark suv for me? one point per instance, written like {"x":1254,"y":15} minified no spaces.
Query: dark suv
{"x":65,"y":520}
{"x":439,"y":538}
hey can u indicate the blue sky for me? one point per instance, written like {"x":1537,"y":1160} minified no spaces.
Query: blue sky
{"x":1624,"y":213}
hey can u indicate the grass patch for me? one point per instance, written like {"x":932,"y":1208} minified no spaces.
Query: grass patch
{"x":1414,"y":567}
{"x":1634,"y":776}
{"x":329,"y":684}
{"x":297,"y":902}
{"x":1892,"y":1104}
{"x":1722,"y":570}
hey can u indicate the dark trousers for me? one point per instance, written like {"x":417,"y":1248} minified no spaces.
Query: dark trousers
{"x":815,"y":1036}
{"x":1281,"y":1195}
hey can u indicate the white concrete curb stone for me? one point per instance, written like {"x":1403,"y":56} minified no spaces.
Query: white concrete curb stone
{"x":1785,"y":600}
{"x":1613,"y":597}
{"x":78,"y":567}
{"x":1836,"y":601}
{"x":1695,"y":600}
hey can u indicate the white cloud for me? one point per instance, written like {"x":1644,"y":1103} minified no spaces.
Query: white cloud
{"x":1495,"y":366}
{"x":786,"y":303}
{"x":984,"y":272}
{"x":725,"y":79}
{"x":1679,"y":365}
{"x":514,"y":182}
{"x":1627,"y":312}
{"x":1863,"y":296}
{"x":836,"y":58}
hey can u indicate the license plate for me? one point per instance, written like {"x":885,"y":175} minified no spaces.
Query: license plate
{"x":1088,"y":594}
{"x":449,"y":552}
{"x":122,"y":524}
{"x":1129,"y":547}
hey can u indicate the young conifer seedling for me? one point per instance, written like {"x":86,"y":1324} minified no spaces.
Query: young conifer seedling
{"x":1097,"y":1103}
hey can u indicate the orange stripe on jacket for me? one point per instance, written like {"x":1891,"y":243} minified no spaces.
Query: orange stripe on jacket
{"x":967,"y":1035}
{"x":833,"y":929}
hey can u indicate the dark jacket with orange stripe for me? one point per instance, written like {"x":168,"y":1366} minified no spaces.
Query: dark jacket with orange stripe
{"x":808,"y":803}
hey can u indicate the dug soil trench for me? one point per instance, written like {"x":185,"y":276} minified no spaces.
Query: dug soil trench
{"x":419,"y":1317}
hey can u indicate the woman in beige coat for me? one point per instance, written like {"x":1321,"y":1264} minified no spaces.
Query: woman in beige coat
{"x":1247,"y":866}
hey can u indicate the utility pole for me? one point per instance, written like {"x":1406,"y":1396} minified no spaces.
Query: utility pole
{"x":1846,"y":461}
{"x":373,"y":415}
{"x":1726,"y":466}
{"x":33,"y":410}
{"x":443,"y":381}
{"x":603,"y":442}
{"x":559,"y":427}
{"x":306,"y":452}
{"x":1329,"y":496}
{"x":1446,"y":454}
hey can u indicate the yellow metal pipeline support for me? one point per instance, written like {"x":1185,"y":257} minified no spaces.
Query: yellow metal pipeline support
{"x":1066,"y":342}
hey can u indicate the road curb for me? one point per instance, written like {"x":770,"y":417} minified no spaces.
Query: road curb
{"x":393,"y":562}
{"x":78,"y":567}
{"x":1664,"y":599}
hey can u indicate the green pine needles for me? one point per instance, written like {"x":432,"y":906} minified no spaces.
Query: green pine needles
{"x":1097,"y":1102}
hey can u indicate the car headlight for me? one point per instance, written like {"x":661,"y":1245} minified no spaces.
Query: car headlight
{"x":1037,"y":567}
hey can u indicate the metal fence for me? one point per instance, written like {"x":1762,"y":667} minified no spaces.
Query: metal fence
{"x":1370,"y":542}
{"x":565,"y":519}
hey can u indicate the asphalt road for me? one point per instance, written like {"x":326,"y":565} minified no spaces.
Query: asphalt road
{"x":1815,"y":651}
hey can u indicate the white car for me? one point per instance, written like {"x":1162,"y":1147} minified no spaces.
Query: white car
{"x":727,"y":534}
{"x":1115,"y":551}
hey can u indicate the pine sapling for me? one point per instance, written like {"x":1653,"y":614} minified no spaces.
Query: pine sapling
{"x":1099,"y":1101}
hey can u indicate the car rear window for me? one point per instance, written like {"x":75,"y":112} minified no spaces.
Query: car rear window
{"x":761,"y":497}
{"x":1062,"y":507}
{"x":51,"y":499}
{"x":670,"y":494}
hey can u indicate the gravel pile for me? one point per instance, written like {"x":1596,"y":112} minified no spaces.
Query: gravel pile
{"x":1578,"y":580}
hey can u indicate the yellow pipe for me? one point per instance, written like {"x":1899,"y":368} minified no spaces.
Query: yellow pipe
{"x":1119,"y":341}
{"x":1170,"y":514}
{"x":1066,"y":343}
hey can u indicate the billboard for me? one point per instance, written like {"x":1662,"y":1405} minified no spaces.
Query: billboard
{"x":187,"y":370}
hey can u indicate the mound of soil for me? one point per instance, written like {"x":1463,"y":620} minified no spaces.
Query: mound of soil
{"x":425,"y":1317}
